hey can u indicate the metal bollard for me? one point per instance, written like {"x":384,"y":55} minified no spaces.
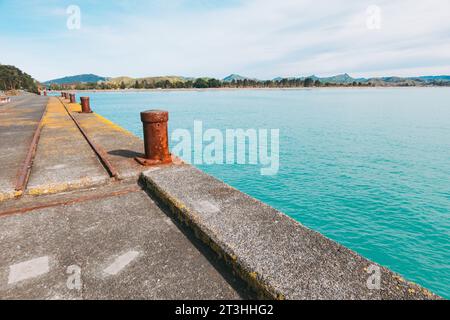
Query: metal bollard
{"x":85,"y":105}
{"x":73,"y":98}
{"x":156,"y":139}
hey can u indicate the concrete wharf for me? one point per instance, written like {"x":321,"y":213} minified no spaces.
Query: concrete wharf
{"x":74,"y":201}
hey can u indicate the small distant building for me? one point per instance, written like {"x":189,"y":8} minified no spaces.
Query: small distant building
{"x":4,"y":99}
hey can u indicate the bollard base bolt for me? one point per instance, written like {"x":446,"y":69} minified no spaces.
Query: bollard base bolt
{"x":150,"y":163}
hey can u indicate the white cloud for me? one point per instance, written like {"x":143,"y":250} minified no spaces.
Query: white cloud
{"x":261,"y":38}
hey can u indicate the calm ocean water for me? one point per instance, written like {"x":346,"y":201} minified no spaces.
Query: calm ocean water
{"x":369,"y":168}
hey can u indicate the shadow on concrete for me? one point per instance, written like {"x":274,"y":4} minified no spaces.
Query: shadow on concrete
{"x":241,"y":287}
{"x":126,"y":154}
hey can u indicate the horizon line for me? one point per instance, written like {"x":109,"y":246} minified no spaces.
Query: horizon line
{"x":250,"y":78}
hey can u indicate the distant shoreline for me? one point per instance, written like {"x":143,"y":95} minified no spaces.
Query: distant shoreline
{"x":245,"y":89}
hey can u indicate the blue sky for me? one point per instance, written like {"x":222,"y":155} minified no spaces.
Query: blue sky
{"x":257,"y":38}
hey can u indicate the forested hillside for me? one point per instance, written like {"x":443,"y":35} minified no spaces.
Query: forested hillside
{"x":12,"y":78}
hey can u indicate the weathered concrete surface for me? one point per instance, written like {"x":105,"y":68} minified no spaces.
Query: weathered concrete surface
{"x":18,"y":122}
{"x":28,"y":203}
{"x":64,"y":160}
{"x":126,"y":247}
{"x":73,"y":214}
{"x":279,"y":257}
{"x":121,"y":145}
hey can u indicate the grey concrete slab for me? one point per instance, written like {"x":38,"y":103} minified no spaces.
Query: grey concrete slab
{"x":277,"y":255}
{"x":18,"y":122}
{"x":125,"y":246}
{"x":64,"y":160}
{"x":28,"y":202}
{"x":120,"y":145}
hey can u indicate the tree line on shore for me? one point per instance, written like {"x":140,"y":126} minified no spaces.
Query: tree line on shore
{"x":12,"y":78}
{"x":205,"y":83}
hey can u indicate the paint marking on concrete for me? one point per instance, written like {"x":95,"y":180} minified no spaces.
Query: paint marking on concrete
{"x":153,"y":169}
{"x":206,"y":207}
{"x":121,"y":263}
{"x":57,"y":167}
{"x":28,"y":269}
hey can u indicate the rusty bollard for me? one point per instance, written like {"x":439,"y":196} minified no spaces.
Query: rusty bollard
{"x":85,"y":105}
{"x":156,"y":139}
{"x":73,"y":98}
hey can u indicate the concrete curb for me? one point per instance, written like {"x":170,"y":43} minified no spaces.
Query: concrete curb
{"x":310,"y":267}
{"x":185,"y":216}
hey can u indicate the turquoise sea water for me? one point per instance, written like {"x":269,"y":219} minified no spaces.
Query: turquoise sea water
{"x":369,"y":168}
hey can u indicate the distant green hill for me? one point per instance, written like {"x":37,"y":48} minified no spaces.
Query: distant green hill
{"x":150,"y":80}
{"x":12,"y":78}
{"x":82,"y":78}
{"x":341,"y":78}
{"x":235,"y":77}
{"x":434,"y":78}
